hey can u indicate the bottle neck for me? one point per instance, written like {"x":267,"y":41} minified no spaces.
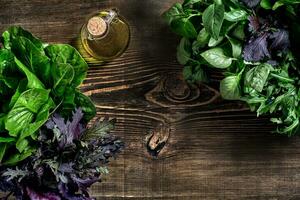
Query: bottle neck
{"x":98,"y":26}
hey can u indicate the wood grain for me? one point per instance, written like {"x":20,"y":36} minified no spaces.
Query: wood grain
{"x":182,"y":141}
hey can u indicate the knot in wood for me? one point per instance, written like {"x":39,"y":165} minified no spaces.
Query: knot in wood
{"x":176,"y":88}
{"x":157,"y":139}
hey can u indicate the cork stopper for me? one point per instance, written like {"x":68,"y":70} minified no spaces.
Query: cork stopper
{"x":97,"y":26}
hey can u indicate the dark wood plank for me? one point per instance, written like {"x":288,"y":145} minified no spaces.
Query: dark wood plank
{"x":182,"y":142}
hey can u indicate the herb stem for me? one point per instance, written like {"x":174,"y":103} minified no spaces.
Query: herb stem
{"x":282,"y":78}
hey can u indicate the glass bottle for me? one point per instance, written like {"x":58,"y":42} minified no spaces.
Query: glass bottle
{"x":105,"y":35}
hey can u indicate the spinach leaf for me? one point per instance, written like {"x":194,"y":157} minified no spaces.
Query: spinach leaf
{"x":213,"y":18}
{"x":62,"y":75}
{"x":66,"y":54}
{"x":25,"y":110}
{"x":33,"y":81}
{"x":86,"y":105}
{"x":16,"y":31}
{"x":33,"y":58}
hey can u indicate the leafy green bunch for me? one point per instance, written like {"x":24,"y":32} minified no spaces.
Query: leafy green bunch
{"x":36,"y":79}
{"x":212,"y":34}
{"x":254,"y":42}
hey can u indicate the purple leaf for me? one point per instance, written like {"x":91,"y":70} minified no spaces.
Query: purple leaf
{"x":254,"y":23}
{"x":280,"y":40}
{"x":70,"y":130}
{"x":75,"y":127}
{"x":251,"y":3}
{"x":84,"y":184}
{"x":66,"y":194}
{"x":256,"y":49}
{"x":41,"y":196}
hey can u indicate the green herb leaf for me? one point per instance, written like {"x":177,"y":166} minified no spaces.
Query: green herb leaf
{"x":213,"y":18}
{"x":257,"y":77}
{"x":66,"y":54}
{"x":236,"y":15}
{"x":230,"y":88}
{"x":184,"y":27}
{"x":184,"y":51}
{"x":217,"y":58}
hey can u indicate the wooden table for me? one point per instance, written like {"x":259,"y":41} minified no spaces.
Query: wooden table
{"x":182,"y":142}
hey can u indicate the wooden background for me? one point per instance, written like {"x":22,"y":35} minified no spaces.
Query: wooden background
{"x":182,"y":142}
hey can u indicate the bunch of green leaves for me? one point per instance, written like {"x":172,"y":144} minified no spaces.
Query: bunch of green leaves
{"x":212,"y":34}
{"x":255,"y":43}
{"x":269,"y":80}
{"x":70,"y":158}
{"x":275,"y":4}
{"x":35,"y":80}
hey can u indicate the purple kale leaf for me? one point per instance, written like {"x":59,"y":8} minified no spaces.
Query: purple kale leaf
{"x":41,"y":196}
{"x":69,"y":130}
{"x":257,"y":49}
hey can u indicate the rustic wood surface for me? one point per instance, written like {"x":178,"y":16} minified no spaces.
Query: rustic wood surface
{"x":182,"y":142}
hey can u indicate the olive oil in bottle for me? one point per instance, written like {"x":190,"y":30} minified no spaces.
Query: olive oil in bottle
{"x":105,"y":35}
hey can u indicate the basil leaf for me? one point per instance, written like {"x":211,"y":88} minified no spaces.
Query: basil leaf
{"x":236,"y":15}
{"x":203,"y":38}
{"x":184,"y":27}
{"x":3,"y":148}
{"x":217,"y":58}
{"x":174,"y":12}
{"x":236,"y":47}
{"x":266,"y":4}
{"x":212,"y":42}
{"x":230,"y":88}
{"x":213,"y":18}
{"x":184,"y":51}
{"x":190,"y":2}
{"x":257,"y":76}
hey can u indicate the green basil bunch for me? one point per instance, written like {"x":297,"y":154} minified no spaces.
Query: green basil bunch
{"x":254,"y":42}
